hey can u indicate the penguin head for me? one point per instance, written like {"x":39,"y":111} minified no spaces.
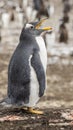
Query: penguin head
{"x":33,"y":28}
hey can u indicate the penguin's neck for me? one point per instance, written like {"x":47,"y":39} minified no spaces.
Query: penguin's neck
{"x":25,"y":36}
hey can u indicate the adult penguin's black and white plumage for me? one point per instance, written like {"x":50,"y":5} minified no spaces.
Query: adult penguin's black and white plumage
{"x":27,"y":68}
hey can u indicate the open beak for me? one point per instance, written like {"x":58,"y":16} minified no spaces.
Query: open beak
{"x":40,"y":23}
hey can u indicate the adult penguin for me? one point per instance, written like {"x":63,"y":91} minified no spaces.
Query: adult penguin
{"x":27,"y":69}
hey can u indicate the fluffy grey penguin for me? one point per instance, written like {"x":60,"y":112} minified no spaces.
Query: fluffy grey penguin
{"x":27,"y":69}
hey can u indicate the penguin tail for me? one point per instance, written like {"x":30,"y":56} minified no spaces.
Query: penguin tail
{"x":6,"y":102}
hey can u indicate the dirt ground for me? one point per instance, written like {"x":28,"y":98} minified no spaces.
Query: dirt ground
{"x":53,"y":119}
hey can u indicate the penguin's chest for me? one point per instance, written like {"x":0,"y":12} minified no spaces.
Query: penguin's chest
{"x":42,"y":51}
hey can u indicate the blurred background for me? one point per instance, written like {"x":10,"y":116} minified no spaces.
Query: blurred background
{"x":14,"y":14}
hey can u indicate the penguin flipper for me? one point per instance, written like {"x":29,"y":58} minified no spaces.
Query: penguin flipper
{"x":38,"y":67}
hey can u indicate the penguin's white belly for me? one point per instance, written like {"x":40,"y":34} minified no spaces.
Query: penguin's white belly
{"x":34,"y":89}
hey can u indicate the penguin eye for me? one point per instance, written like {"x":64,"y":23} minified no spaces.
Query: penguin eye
{"x":32,"y":27}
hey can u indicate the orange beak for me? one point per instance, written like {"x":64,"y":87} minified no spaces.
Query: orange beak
{"x":40,"y":23}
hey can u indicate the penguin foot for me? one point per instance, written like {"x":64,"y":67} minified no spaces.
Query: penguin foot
{"x":32,"y":111}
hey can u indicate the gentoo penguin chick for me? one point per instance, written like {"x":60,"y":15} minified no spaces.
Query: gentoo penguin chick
{"x":27,"y":69}
{"x":67,"y":6}
{"x":63,"y":33}
{"x":39,"y":6}
{"x":66,"y":18}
